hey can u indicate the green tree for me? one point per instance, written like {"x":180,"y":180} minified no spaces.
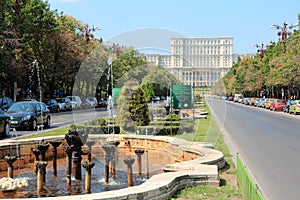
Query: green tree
{"x":138,"y":108}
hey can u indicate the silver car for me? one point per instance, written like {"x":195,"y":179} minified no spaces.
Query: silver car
{"x":64,"y":103}
{"x":76,"y":102}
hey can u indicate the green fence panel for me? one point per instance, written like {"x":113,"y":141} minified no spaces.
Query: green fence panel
{"x":248,"y":187}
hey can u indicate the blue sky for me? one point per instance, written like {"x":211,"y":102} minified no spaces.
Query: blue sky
{"x":248,"y":22}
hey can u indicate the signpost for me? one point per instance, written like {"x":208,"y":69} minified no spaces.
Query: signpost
{"x":182,"y":97}
{"x":116,"y":93}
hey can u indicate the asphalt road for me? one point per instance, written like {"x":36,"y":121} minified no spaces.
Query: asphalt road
{"x":67,"y":118}
{"x":268,"y":142}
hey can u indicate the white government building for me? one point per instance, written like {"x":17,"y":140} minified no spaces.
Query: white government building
{"x":197,"y":61}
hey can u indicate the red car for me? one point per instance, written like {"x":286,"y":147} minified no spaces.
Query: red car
{"x":278,"y":104}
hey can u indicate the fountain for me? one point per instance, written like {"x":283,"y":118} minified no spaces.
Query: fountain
{"x":128,"y":172}
{"x":41,"y":165}
{"x":110,"y":150}
{"x":43,"y":147}
{"x":10,"y":169}
{"x":139,"y":153}
{"x":36,"y":153}
{"x":69,"y":150}
{"x":129,"y":162}
{"x":76,"y":140}
{"x":54,"y":156}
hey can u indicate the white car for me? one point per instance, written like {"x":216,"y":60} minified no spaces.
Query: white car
{"x":76,"y":102}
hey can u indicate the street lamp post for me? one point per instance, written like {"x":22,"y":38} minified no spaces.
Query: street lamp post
{"x":261,"y":50}
{"x":88,"y":32}
{"x":284,"y":33}
{"x":35,"y":65}
{"x":110,"y":100}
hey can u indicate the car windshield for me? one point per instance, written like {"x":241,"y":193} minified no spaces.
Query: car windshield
{"x":18,"y":107}
{"x":73,"y":99}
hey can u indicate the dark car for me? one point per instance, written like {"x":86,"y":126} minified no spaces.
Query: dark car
{"x":102,"y":103}
{"x":5,"y":103}
{"x":52,"y":105}
{"x":29,"y":115}
{"x":4,"y":124}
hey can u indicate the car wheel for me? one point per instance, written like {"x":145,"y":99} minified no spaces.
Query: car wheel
{"x":47,"y":124}
{"x":34,"y":125}
{"x":7,"y":129}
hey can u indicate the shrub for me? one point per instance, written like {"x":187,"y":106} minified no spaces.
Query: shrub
{"x":99,"y":129}
{"x":172,"y":117}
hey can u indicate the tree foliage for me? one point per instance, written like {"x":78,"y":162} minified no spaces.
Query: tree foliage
{"x":268,"y":76}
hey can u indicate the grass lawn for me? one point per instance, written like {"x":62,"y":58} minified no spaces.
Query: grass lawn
{"x":206,"y":130}
{"x":53,"y":132}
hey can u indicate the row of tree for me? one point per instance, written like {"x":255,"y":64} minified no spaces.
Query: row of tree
{"x":275,"y":73}
{"x":70,"y":61}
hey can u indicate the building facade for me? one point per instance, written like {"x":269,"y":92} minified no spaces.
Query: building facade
{"x":197,"y":61}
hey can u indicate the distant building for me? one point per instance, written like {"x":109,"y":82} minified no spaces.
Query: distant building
{"x":197,"y":61}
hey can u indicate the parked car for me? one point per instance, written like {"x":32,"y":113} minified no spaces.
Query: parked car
{"x":102,"y":103}
{"x":4,"y":124}
{"x":5,"y":103}
{"x":155,"y":98}
{"x":230,"y":98}
{"x":268,"y":103}
{"x":295,"y":107}
{"x":64,"y":103}
{"x":264,"y":102}
{"x":76,"y":102}
{"x":252,"y":101}
{"x":287,"y":105}
{"x":258,"y":102}
{"x":237,"y":97}
{"x":246,"y":101}
{"x":52,"y":105}
{"x":277,"y":104}
{"x":90,"y":102}
{"x":29,"y":115}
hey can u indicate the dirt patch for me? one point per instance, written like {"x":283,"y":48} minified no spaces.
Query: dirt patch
{"x":231,"y":179}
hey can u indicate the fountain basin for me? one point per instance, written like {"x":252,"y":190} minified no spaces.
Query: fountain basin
{"x":195,"y":164}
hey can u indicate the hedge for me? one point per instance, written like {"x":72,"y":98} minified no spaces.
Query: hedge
{"x":99,"y":129}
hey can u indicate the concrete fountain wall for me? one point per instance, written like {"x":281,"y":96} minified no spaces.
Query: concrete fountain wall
{"x":197,"y":164}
